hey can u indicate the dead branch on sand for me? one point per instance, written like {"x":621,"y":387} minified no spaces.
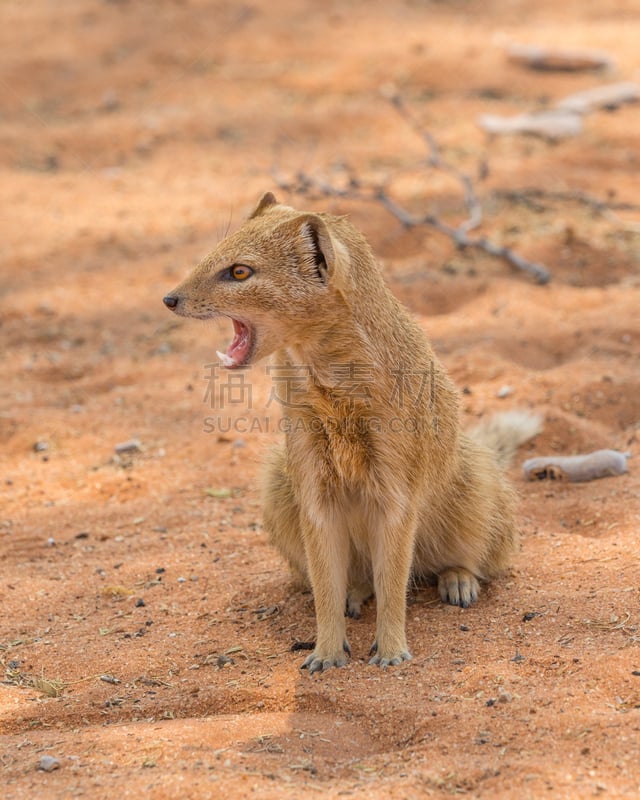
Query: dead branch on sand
{"x":303,"y":183}
{"x":540,"y":200}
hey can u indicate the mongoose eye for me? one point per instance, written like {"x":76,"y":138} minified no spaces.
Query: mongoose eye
{"x":240,"y":273}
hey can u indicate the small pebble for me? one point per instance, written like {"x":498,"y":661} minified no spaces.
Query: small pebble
{"x":558,"y":59}
{"x":140,"y":603}
{"x":504,"y":391}
{"x":40,"y":447}
{"x":109,"y":101}
{"x":48,"y":763}
{"x":51,"y":542}
{"x":182,"y":580}
{"x":130,"y":446}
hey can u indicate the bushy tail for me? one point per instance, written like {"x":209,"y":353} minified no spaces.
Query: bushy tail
{"x":505,"y":432}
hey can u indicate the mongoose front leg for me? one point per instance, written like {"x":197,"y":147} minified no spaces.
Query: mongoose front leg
{"x":392,"y":553}
{"x":327,"y":553}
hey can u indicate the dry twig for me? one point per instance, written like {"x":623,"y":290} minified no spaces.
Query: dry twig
{"x":304,"y":184}
{"x":540,"y":199}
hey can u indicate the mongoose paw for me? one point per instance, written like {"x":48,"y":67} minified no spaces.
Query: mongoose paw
{"x":391,"y":660}
{"x":458,"y":586}
{"x":317,"y":662}
{"x":356,"y":598}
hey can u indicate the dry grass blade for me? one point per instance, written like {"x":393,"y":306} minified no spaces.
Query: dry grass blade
{"x":613,"y":624}
{"x":48,"y":686}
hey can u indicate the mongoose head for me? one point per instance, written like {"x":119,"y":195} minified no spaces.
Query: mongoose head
{"x":280,"y":267}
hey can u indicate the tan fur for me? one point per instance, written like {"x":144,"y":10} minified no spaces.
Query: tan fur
{"x":371,"y":486}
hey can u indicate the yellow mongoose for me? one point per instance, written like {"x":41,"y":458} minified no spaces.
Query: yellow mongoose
{"x":376,"y":482}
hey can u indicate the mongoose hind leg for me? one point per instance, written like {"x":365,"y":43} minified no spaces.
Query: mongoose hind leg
{"x":360,"y":582}
{"x":357,"y":596}
{"x":281,"y":517}
{"x":458,"y":586}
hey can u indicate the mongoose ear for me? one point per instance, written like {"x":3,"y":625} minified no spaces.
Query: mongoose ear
{"x":321,"y":250}
{"x":267,"y":200}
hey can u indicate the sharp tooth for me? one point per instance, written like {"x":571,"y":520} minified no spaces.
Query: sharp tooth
{"x":225,"y":360}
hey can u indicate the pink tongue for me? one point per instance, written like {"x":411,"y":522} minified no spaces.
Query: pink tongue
{"x":239,"y":347}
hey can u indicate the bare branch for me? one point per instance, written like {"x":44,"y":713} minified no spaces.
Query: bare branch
{"x":462,"y":240}
{"x":305,"y":184}
{"x":535,"y":200}
{"x":437,"y":161}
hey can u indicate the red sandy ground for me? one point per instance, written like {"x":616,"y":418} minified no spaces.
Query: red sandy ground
{"x":132,"y":135}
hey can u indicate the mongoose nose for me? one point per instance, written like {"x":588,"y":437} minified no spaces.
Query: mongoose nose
{"x":170,"y":301}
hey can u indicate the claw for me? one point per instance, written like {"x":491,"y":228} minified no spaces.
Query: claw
{"x":316,"y":663}
{"x":393,"y":661}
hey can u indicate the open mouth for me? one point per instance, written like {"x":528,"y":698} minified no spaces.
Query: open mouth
{"x":240,"y":350}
